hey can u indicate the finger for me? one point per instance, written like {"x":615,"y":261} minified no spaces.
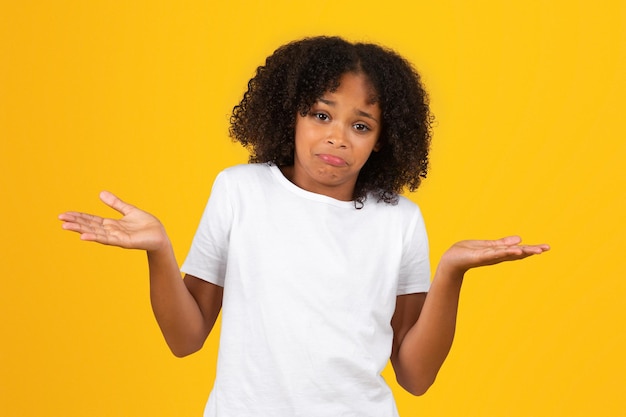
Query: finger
{"x":535,"y":249}
{"x":67,"y":216}
{"x":93,"y":232}
{"x":115,"y":203}
{"x":82,"y":223}
{"x":81,"y":218}
{"x":102,"y":237}
{"x":93,"y":237}
{"x":508,"y":241}
{"x":508,"y":252}
{"x":497,"y":244}
{"x":513,"y":253}
{"x":516,"y":240}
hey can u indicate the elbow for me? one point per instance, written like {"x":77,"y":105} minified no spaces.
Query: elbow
{"x":418,"y":386}
{"x":182,"y":350}
{"x":417,"y":378}
{"x":418,"y":390}
{"x":181,"y":353}
{"x":184,"y":343}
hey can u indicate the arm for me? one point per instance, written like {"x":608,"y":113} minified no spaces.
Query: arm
{"x":185,"y":310}
{"x":424,"y":325}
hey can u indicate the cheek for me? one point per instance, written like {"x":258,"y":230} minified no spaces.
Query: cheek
{"x":305,"y":134}
{"x":299,"y":138}
{"x":363,"y":155}
{"x":302,"y":143}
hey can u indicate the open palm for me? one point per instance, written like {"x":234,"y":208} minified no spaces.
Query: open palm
{"x":137,"y":229}
{"x":474,"y":253}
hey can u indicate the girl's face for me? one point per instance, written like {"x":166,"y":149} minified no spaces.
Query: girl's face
{"x":335,"y":139}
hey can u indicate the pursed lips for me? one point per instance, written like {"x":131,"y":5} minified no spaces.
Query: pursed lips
{"x":332,"y":160}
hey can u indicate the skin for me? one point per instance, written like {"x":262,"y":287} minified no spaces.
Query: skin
{"x":335,"y":139}
{"x":185,"y":310}
{"x":424,"y":324}
{"x":332,"y":142}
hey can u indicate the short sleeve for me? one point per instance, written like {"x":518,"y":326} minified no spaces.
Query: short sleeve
{"x":415,"y":266}
{"x":208,"y":254}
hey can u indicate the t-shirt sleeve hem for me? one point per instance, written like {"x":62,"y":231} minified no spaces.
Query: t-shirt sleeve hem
{"x":413,"y":289}
{"x":202,"y":275}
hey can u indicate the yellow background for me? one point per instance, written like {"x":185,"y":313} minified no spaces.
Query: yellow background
{"x":134,"y":97}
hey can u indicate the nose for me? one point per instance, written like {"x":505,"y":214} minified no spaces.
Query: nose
{"x":337,"y":137}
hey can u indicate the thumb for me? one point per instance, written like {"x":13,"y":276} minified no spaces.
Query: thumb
{"x":115,"y":203}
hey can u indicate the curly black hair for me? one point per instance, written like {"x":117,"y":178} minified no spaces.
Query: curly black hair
{"x":297,"y":74}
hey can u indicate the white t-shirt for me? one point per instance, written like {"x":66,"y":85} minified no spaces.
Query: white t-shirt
{"x":310,"y":286}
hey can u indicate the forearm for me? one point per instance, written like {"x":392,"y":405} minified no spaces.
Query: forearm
{"x":175,"y":309}
{"x":426,"y":345}
{"x":175,"y":306}
{"x":420,"y":351}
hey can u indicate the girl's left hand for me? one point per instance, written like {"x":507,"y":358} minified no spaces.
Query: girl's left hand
{"x":468,"y":254}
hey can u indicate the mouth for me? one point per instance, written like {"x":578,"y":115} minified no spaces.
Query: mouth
{"x":332,"y":160}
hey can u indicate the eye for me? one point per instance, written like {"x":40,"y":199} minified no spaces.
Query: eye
{"x":320,"y":116}
{"x":361,"y":127}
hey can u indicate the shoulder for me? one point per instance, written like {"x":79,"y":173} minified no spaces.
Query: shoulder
{"x":403,"y":207}
{"x":403,"y":216}
{"x":245,"y":174}
{"x":246,"y":171}
{"x":244,"y":181}
{"x":409,"y":207}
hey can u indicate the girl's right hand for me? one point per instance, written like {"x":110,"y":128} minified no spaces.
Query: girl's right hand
{"x":137,"y":229}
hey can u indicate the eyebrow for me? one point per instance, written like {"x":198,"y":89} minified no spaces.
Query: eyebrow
{"x":359,"y":112}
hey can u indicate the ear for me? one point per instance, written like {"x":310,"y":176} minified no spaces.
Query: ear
{"x":377,"y":146}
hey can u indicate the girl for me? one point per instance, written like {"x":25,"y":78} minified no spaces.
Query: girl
{"x":319,"y":267}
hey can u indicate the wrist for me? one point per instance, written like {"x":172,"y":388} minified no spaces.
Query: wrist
{"x":160,"y":245}
{"x":450,"y":272}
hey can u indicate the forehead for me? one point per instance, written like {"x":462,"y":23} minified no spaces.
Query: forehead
{"x":357,"y":86}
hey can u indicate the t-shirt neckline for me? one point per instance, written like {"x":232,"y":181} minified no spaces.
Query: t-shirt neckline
{"x":293,"y":188}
